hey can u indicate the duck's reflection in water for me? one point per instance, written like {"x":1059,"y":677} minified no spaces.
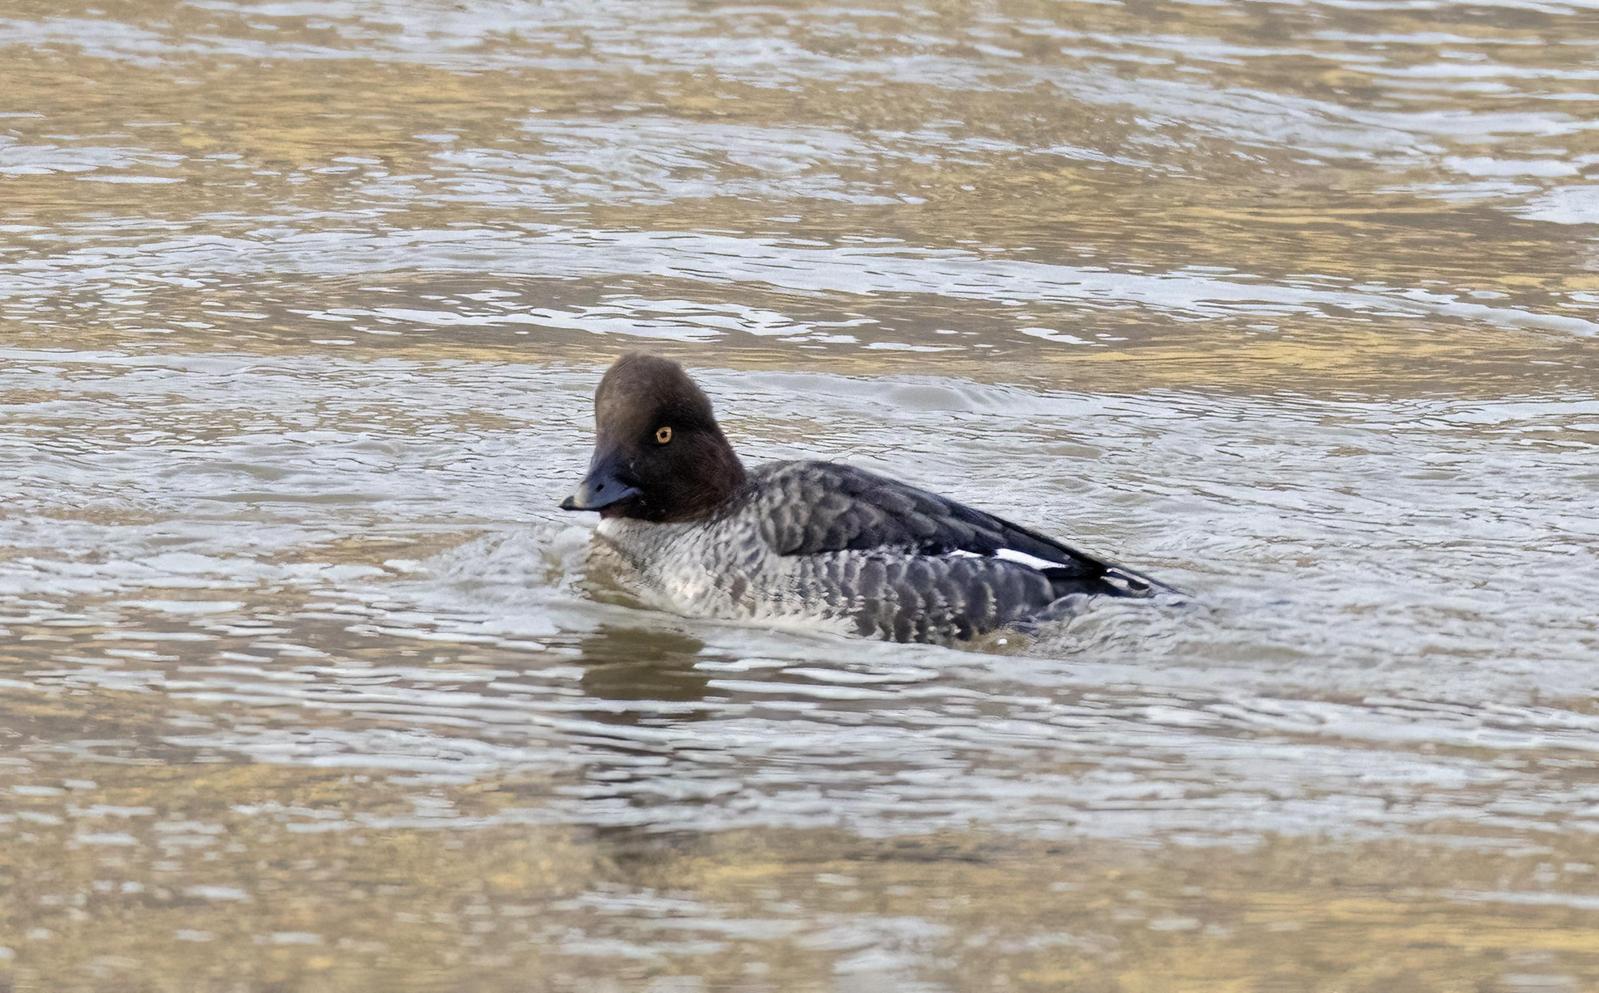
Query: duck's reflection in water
{"x":645,"y":766}
{"x":640,"y":664}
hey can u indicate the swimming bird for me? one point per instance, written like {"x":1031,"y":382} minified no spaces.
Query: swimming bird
{"x":822,"y":544}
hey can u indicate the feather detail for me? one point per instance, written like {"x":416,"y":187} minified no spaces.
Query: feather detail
{"x":816,"y":507}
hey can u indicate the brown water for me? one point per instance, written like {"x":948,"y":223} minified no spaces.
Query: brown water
{"x":304,"y":688}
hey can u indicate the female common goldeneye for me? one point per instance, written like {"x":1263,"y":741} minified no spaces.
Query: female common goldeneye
{"x":815,"y":542}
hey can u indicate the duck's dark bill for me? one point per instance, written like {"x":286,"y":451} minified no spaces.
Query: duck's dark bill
{"x":599,"y":490}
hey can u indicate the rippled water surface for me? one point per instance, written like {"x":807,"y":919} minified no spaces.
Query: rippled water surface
{"x":307,"y":685}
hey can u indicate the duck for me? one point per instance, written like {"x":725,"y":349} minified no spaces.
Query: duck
{"x":820,"y":545}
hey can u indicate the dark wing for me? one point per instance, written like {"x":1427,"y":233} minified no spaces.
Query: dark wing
{"x":828,"y":507}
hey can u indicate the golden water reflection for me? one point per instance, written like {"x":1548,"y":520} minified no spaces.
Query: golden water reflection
{"x":305,"y":684}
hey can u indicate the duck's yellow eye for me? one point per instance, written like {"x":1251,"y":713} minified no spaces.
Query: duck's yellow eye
{"x":663,"y":434}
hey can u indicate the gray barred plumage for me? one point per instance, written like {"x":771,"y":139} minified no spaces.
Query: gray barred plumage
{"x":857,"y":553}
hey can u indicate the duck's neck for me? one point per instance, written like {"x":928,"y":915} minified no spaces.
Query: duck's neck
{"x":711,"y":482}
{"x":723,"y":478}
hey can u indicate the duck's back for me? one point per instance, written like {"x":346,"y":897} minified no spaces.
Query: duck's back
{"x":902,"y":563}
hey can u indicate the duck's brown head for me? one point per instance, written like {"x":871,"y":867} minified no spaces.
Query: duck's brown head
{"x":658,"y":452}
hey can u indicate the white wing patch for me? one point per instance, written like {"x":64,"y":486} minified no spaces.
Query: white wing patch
{"x":1030,"y":561}
{"x":1011,"y":555}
